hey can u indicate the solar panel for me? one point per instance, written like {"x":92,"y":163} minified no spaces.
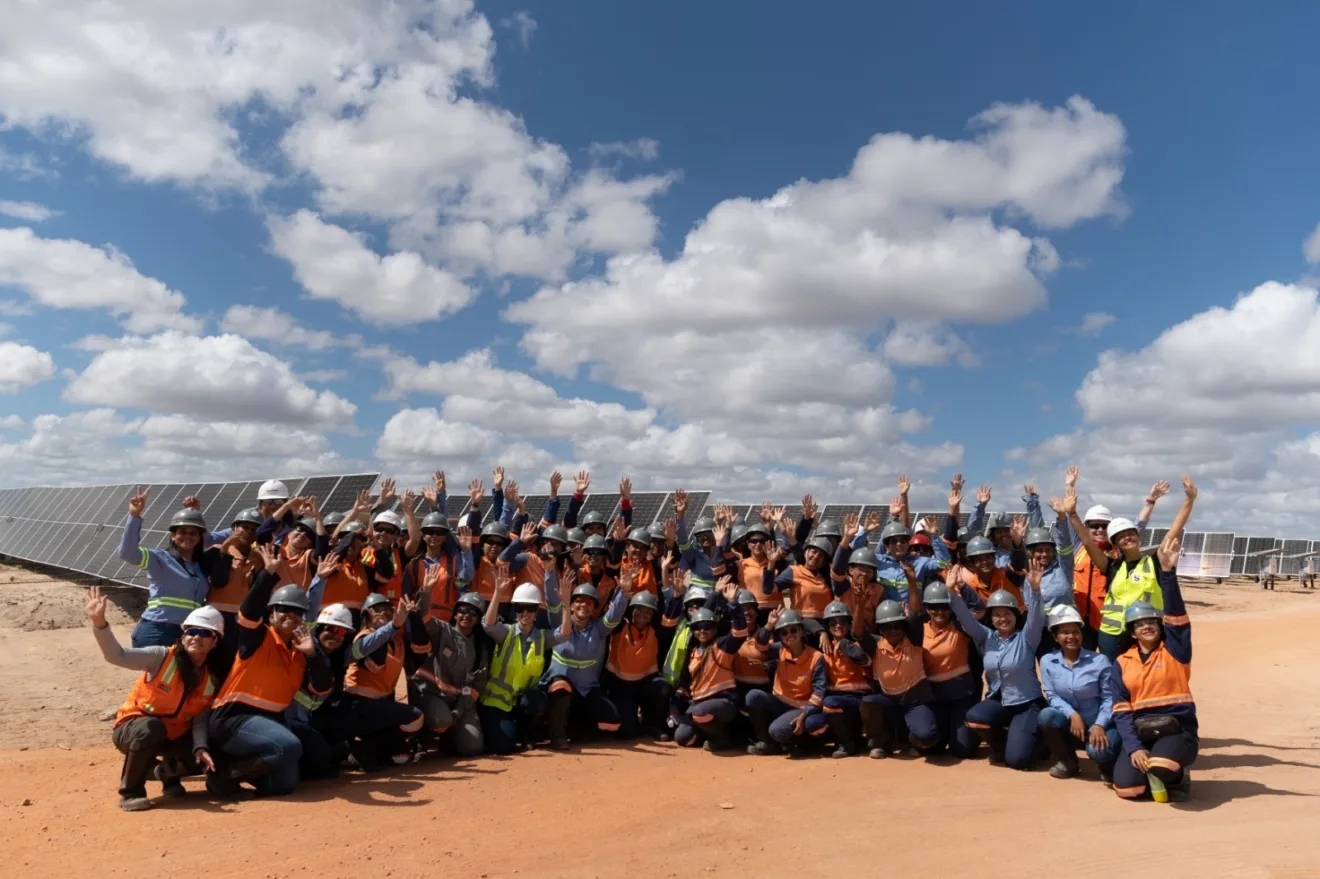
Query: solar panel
{"x":164,"y":504}
{"x":73,"y":542}
{"x":341,"y":499}
{"x":7,"y":497}
{"x":536,"y":504}
{"x":696,"y":501}
{"x":319,"y":487}
{"x":247,"y":497}
{"x":1193,"y":541}
{"x":1292,"y":566}
{"x":648,"y":506}
{"x":51,"y":536}
{"x":605,"y":503}
{"x":114,"y":506}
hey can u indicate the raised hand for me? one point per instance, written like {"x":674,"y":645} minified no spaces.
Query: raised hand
{"x":267,"y":554}
{"x":193,"y":502}
{"x":430,"y":496}
{"x":1189,"y":488}
{"x":625,"y":489}
{"x":620,"y":529}
{"x":328,"y":566}
{"x":680,"y":503}
{"x":956,"y":483}
{"x":464,"y":538}
{"x":409,"y":501}
{"x":808,"y":507}
{"x":671,"y":530}
{"x":387,"y":491}
{"x":362,"y":503}
{"x":849,"y":527}
{"x":1169,"y":552}
{"x":955,"y":498}
{"x":1018,"y":529}
{"x":767,"y":513}
{"x":1070,"y":475}
{"x":438,"y":481}
{"x":1028,"y":489}
{"x":773,"y":618}
{"x":431,"y":578}
{"x":1159,"y":490}
{"x":789,"y":526}
{"x":1059,"y":506}
{"x":727,"y":587}
{"x":954,"y":576}
{"x":777,"y":515}
{"x":720,"y":531}
{"x":873,"y":521}
{"x":1035,"y":572}
{"x":904,"y":484}
{"x":528,"y":533}
{"x":625,"y":581}
{"x":983,"y":494}
{"x":511,"y":493}
{"x":138,"y":502}
{"x":582,"y":482}
{"x":567,"y":580}
{"x":555,"y":479}
{"x":503,"y":578}
{"x":96,"y":607}
{"x":578,"y":555}
{"x":312,"y":507}
{"x":932,"y":528}
{"x":401,"y":611}
{"x":476,"y":488}
{"x":303,"y":642}
{"x":895,"y":507}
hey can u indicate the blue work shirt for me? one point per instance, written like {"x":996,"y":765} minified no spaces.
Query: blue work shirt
{"x":1010,"y":665}
{"x":1056,"y":585}
{"x":175,"y":587}
{"x":1086,"y":687}
{"x":581,"y":657}
{"x":889,"y":570}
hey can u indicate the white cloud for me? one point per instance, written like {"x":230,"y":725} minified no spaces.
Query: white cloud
{"x":1093,"y":322}
{"x":25,"y":166}
{"x":12,"y":422}
{"x":919,"y":343}
{"x":23,"y":365}
{"x":332,"y":263}
{"x":214,"y":377}
{"x":30,"y":211}
{"x":1311,"y":246}
{"x":522,"y":24}
{"x":643,"y":148}
{"x":273,"y":325}
{"x":62,"y":273}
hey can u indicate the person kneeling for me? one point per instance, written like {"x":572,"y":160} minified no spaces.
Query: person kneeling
{"x":709,"y":684}
{"x":1079,"y":686}
{"x":789,"y":713}
{"x":379,"y":727}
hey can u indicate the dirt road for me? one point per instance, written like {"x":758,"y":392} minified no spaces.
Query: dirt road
{"x":656,"y":810}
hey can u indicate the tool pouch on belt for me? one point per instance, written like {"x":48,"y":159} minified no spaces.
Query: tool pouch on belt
{"x":1152,"y":728}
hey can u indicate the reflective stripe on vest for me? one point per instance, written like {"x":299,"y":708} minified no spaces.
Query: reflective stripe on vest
{"x":676,"y":658}
{"x":1130,"y":585}
{"x":510,"y":674}
{"x":180,"y":603}
{"x":307,"y":700}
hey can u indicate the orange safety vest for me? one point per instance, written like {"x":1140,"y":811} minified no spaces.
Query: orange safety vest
{"x":845,"y":676}
{"x":1089,"y":588}
{"x":634,"y":653}
{"x":483,"y":580}
{"x":749,"y":664}
{"x":605,"y":589}
{"x":162,"y":695}
{"x":998,"y":580}
{"x":365,"y":678}
{"x":898,"y":670}
{"x":348,"y":587}
{"x":811,"y":594}
{"x":793,"y":677}
{"x":643,"y":577}
{"x":393,"y":587}
{"x":1159,"y":682}
{"x":228,"y":597}
{"x":298,"y":569}
{"x":268,"y":679}
{"x":944,"y":653}
{"x":444,"y":595}
{"x":751,"y":574}
{"x":710,"y":670}
{"x":862,"y":605}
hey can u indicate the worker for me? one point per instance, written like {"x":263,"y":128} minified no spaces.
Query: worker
{"x":853,"y":576}
{"x":573,"y":679}
{"x":379,"y":728}
{"x":303,"y":548}
{"x":316,"y":718}
{"x":632,"y":668}
{"x":177,"y":577}
{"x":1153,"y":705}
{"x":899,"y":668}
{"x":786,"y":716}
{"x":708,"y":684}
{"x":699,"y":552}
{"x":512,"y":705}
{"x":637,"y":560}
{"x":349,"y":584}
{"x":382,"y":562}
{"x":1132,"y":576}
{"x":452,"y":674}
{"x":749,"y":671}
{"x":808,"y":584}
{"x":231,"y":573}
{"x":276,"y":656}
{"x":952,"y":667}
{"x":1007,"y":719}
{"x":596,"y":554}
{"x":165,"y":714}
{"x":848,"y":677}
{"x":892,"y":555}
{"x":1054,"y":548}
{"x":674,"y":633}
{"x":439,"y":548}
{"x":752,"y":567}
{"x":274,"y":503}
{"x":983,"y":575}
{"x":486,"y":559}
{"x":1078,"y":683}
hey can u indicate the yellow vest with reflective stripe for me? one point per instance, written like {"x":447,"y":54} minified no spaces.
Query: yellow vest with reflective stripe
{"x":1130,"y":585}
{"x":510,"y":673}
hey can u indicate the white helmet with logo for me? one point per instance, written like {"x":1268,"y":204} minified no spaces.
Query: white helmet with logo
{"x":1118,"y":526}
{"x":1098,"y":513}
{"x":388,"y":517}
{"x":527,"y":594}
{"x":273,"y":490}
{"x":206,"y":617}
{"x":335,"y":615}
{"x":1062,"y":614}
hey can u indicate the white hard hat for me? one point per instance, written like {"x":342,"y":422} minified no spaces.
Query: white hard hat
{"x":1098,"y":513}
{"x":388,"y":517}
{"x":1118,"y":526}
{"x":206,"y":617}
{"x":335,"y":615}
{"x":919,"y":525}
{"x":526,"y":594}
{"x":273,"y":490}
{"x":1061,"y":614}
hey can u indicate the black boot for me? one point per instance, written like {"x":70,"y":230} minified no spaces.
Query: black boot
{"x":138,"y":766}
{"x":878,"y":738}
{"x":717,"y":735}
{"x":845,"y":739}
{"x":168,"y":773}
{"x":1061,"y":752}
{"x":556,"y":719}
{"x":996,"y":740}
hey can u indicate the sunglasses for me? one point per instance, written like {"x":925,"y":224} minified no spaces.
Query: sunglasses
{"x":526,"y":608}
{"x":703,"y":627}
{"x":434,"y":533}
{"x":755,"y":541}
{"x":291,"y":611}
{"x":596,"y":554}
{"x":386,"y":532}
{"x":469,"y":611}
{"x":198,"y":633}
{"x":790,"y":630}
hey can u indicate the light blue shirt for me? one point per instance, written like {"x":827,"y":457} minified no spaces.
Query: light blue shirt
{"x":1010,"y":665}
{"x":1086,"y":687}
{"x":581,"y":657}
{"x":175,"y":588}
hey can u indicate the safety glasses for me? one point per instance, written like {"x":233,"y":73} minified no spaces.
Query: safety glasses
{"x":757,"y":541}
{"x":198,"y":633}
{"x":703,"y":627}
{"x":525,"y":608}
{"x":291,"y":611}
{"x":789,"y":630}
{"x":386,"y":531}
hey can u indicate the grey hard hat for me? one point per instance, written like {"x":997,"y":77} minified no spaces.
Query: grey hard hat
{"x":895,"y":529}
{"x":964,"y":535}
{"x":889,"y":611}
{"x":935,"y":594}
{"x":744,"y":598}
{"x":702,"y":615}
{"x":979,"y":546}
{"x":836,"y":610}
{"x":436,"y":522}
{"x":375,"y":599}
{"x":188,"y":518}
{"x":576,"y":537}
{"x":999,"y":520}
{"x":644,"y":599}
{"x":251,"y":516}
{"x":595,"y":543}
{"x":759,"y":528}
{"x":1141,"y":611}
{"x":494,"y":530}
{"x":332,"y":520}
{"x":307,"y":523}
{"x":824,"y":544}
{"x":1037,"y":536}
{"x":739,"y":534}
{"x":703,"y":525}
{"x":1001,"y":598}
{"x":472,"y":600}
{"x":654,"y":531}
{"x":555,"y":532}
{"x":592,"y":518}
{"x":586,"y":590}
{"x":788,"y":618}
{"x":864,"y":557}
{"x":357,"y":526}
{"x":829,"y":528}
{"x":639,"y":536}
{"x":695,"y":593}
{"x":289,"y":596}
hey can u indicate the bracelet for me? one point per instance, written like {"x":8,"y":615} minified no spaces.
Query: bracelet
{"x":1151,"y":501}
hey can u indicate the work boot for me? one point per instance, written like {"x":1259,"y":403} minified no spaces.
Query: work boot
{"x":845,"y":749}
{"x":362,"y":756}
{"x":1065,"y":758}
{"x":1181,"y":792}
{"x":559,"y":744}
{"x":997,"y":741}
{"x":1065,"y":769}
{"x":763,"y":749}
{"x":134,"y":803}
{"x":168,"y":773}
{"x":878,"y":749}
{"x":222,"y":788}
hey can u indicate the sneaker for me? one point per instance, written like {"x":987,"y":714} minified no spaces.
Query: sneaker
{"x":878,"y":753}
{"x":403,"y":759}
{"x":1158,"y":792}
{"x":134,"y":804}
{"x":1063,"y":769}
{"x":1182,"y":791}
{"x":848,"y":750}
{"x":763,"y":749}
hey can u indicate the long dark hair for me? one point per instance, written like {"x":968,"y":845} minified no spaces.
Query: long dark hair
{"x":217,"y":663}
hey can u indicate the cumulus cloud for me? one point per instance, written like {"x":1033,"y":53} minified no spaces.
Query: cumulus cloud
{"x":23,"y":365}
{"x":29,"y":211}
{"x":916,"y":343}
{"x":213,"y":377}
{"x":1093,"y":322}
{"x":273,"y":325}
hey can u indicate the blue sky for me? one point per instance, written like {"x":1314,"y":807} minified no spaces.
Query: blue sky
{"x":1216,"y":196}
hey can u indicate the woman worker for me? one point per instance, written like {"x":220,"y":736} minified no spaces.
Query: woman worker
{"x":953,"y":668}
{"x":632,"y":680}
{"x":315,"y":718}
{"x":1007,"y":720}
{"x":708,"y":682}
{"x":1079,"y":686}
{"x":379,"y":727}
{"x":789,"y":713}
{"x":452,"y":674}
{"x":1153,"y":706}
{"x":177,"y":581}
{"x":165,"y":713}
{"x":575,"y":664}
{"x":848,"y":675}
{"x":899,"y":667}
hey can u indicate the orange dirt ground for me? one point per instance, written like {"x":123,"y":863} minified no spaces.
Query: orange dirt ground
{"x":656,"y":810}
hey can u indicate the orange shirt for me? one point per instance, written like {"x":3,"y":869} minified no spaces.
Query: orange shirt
{"x":750,"y":575}
{"x":366,"y":678}
{"x":1089,"y":588}
{"x":998,"y":580}
{"x":228,"y":597}
{"x":634,"y":653}
{"x":749,"y":664}
{"x":810,"y":593}
{"x":944,"y":653}
{"x":296,"y":568}
{"x":643,"y":578}
{"x":793,"y":677}
{"x":266,"y":680}
{"x":348,"y":587}
{"x":898,"y":669}
{"x":710,"y":669}
{"x":845,"y":676}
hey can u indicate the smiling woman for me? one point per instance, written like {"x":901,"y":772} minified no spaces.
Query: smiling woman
{"x":177,"y":582}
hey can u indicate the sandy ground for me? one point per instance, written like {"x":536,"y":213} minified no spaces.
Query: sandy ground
{"x":656,"y":810}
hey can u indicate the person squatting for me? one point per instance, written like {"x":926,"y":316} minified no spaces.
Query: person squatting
{"x":275,"y":650}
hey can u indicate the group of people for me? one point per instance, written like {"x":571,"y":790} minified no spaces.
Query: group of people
{"x":291,"y":644}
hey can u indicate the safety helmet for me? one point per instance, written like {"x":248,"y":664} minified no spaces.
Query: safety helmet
{"x":435,"y":523}
{"x":595,"y":543}
{"x":644,"y":599}
{"x":473,"y":601}
{"x":1098,"y":513}
{"x":894,"y":529}
{"x":357,"y":526}
{"x":289,"y":596}
{"x":527,"y":594}
{"x":921,"y":540}
{"x":1001,"y":598}
{"x":495,"y":531}
{"x":759,"y":528}
{"x":1062,"y":614}
{"x":824,"y":544}
{"x":788,"y":618}
{"x":654,"y":531}
{"x":739,"y":534}
{"x":830,"y":528}
{"x":586,"y":590}
{"x":695,"y":593}
{"x":744,"y":598}
{"x":998,"y":520}
{"x":864,"y":557}
{"x":1118,"y":526}
{"x":555,"y":532}
{"x":836,"y":610}
{"x":273,"y":490}
{"x":1037,"y":536}
{"x":188,"y":518}
{"x":889,"y":611}
{"x":332,"y":520}
{"x":576,"y":536}
{"x":703,"y":525}
{"x":702,"y":615}
{"x":250,"y":516}
{"x":308,"y":524}
{"x":936,"y":594}
{"x":206,"y":617}
{"x":388,"y":517}
{"x":639,"y":536}
{"x":978,"y":546}
{"x":375,"y":599}
{"x":592,"y":518}
{"x":335,"y":615}
{"x":1141,"y":611}
{"x":964,"y":535}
